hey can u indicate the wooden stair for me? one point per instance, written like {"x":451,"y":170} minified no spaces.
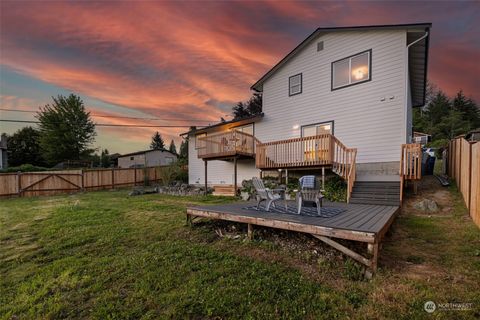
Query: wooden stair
{"x":385,"y":193}
{"x":224,"y":190}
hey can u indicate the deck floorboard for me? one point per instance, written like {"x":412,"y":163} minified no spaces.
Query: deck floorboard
{"x":356,"y":217}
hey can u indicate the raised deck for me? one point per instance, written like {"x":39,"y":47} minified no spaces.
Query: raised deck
{"x":363,"y":223}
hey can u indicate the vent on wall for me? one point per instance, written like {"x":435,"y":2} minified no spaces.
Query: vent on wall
{"x":320,"y":46}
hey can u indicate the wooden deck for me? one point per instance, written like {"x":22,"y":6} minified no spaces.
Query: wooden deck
{"x":363,"y":223}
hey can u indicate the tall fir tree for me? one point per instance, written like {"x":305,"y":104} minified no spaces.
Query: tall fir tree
{"x":469,"y":110}
{"x":172,"y":148}
{"x":66,"y":130}
{"x":183,"y":154}
{"x":157,"y":142}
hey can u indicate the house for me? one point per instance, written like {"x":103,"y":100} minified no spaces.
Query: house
{"x":421,"y":138}
{"x":325,"y":105}
{"x":146,"y":158}
{"x":3,"y":152}
{"x":473,"y":135}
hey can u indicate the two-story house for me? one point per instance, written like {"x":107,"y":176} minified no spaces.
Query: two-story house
{"x":341,"y":99}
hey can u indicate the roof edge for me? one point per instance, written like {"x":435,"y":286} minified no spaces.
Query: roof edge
{"x":257,"y":86}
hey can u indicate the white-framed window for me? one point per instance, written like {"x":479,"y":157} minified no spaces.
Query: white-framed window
{"x":295,"y":84}
{"x":352,"y":70}
{"x":168,"y":160}
{"x":245,"y":129}
{"x":317,"y":129}
{"x":199,"y":143}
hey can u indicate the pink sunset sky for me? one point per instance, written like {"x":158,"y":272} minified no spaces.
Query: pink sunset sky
{"x":190,"y":62}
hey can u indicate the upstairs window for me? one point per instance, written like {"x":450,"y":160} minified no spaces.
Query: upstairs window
{"x":352,"y":70}
{"x":295,"y":84}
{"x":200,"y":143}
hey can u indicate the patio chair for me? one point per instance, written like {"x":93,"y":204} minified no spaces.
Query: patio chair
{"x":309,"y":192}
{"x":266,"y":194}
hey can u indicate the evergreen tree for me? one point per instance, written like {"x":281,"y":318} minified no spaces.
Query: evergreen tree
{"x":252,"y":107}
{"x":183,"y":156}
{"x":24,"y":148}
{"x":172,"y":148}
{"x":105,"y":159}
{"x":66,"y":130}
{"x":468,"y":109}
{"x":240,"y":111}
{"x":157,"y":142}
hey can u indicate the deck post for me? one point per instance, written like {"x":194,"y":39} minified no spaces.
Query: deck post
{"x":286,"y":177}
{"x":250,"y":231}
{"x":374,"y":260}
{"x":206,"y":186}
{"x":323,"y":178}
{"x":235,"y":176}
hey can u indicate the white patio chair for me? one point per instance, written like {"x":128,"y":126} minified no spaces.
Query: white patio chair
{"x":309,"y":193}
{"x":266,"y":194}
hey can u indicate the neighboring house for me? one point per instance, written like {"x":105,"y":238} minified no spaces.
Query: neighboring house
{"x":473,"y":135}
{"x":146,"y":158}
{"x":421,"y":138}
{"x":341,"y":88}
{"x":3,"y":152}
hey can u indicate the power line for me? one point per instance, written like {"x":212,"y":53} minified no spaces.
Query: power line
{"x":107,"y":124}
{"x":120,"y":117}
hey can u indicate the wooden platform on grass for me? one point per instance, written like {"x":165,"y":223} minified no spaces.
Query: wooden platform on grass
{"x":359,"y":222}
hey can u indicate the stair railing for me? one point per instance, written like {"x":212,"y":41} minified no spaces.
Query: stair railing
{"x":410,"y":164}
{"x":344,"y":163}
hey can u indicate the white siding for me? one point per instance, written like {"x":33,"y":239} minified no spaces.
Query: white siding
{"x":361,"y":120}
{"x":219,"y":172}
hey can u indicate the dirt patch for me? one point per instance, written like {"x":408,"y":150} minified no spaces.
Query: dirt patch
{"x":429,"y":188}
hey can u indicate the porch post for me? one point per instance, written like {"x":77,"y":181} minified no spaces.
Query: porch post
{"x":323,"y":178}
{"x":235,"y":176}
{"x":206,"y":185}
{"x":286,"y":176}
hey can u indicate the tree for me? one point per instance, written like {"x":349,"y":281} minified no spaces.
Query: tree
{"x":468,"y":109}
{"x":172,"y":148}
{"x":24,"y":148}
{"x":66,"y":130}
{"x":245,"y":109}
{"x":105,"y":159}
{"x":183,"y":156}
{"x":157,"y":142}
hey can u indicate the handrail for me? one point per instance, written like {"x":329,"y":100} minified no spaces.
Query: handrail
{"x":410,"y":164}
{"x":226,"y":143}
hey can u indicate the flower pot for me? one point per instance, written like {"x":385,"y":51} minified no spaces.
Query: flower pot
{"x":245,"y":195}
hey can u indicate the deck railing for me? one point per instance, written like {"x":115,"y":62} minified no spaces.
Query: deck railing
{"x":321,"y":150}
{"x":226,"y":143}
{"x":410,"y":164}
{"x":296,"y":152}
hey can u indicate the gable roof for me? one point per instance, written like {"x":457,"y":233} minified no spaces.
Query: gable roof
{"x":227,"y":124}
{"x":144,"y":151}
{"x":258,"y":86}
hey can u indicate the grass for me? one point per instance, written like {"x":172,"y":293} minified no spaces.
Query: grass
{"x":109,"y":256}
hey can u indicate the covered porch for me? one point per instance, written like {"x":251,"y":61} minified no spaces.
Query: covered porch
{"x":356,"y":222}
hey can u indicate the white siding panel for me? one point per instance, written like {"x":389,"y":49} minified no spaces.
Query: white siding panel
{"x":219,"y":172}
{"x":361,"y":120}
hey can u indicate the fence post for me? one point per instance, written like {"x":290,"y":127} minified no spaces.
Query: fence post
{"x":113,"y":178}
{"x":134,"y":176}
{"x":19,"y":183}
{"x":83,"y":182}
{"x":470,"y":180}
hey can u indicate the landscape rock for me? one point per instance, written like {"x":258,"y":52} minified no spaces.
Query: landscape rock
{"x":426,"y":205}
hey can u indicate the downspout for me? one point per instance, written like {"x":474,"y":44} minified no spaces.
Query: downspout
{"x":407,"y":78}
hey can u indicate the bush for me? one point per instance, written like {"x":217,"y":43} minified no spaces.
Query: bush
{"x":25,"y":168}
{"x":335,"y":189}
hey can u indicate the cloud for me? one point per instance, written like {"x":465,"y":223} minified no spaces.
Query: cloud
{"x":196,"y":59}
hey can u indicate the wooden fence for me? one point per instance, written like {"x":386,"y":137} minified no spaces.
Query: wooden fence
{"x":464,"y":167}
{"x":30,"y":184}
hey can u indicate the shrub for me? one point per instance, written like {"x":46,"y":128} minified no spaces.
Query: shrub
{"x":25,"y":168}
{"x":335,"y":189}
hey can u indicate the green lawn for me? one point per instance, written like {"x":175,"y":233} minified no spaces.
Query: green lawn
{"x":109,"y":256}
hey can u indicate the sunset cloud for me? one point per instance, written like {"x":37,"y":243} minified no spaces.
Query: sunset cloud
{"x":194,"y":60}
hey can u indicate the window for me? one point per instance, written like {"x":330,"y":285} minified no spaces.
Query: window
{"x":131,"y":158}
{"x":352,"y":70}
{"x":245,"y":129}
{"x":317,"y":129}
{"x":168,"y":160}
{"x":295,"y":84}
{"x":199,"y":143}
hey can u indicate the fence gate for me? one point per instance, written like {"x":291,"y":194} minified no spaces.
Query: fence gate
{"x":45,"y":183}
